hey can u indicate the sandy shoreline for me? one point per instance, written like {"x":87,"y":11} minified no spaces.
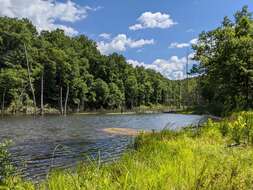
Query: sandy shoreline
{"x":122,"y":131}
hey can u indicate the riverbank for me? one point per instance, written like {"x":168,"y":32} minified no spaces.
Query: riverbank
{"x":136,"y":110}
{"x":218,"y":155}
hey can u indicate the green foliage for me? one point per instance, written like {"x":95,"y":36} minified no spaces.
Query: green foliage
{"x":6,"y":168}
{"x":237,"y":129}
{"x":226,"y":61}
{"x":102,"y":92}
{"x":224,"y":128}
{"x":94,"y":81}
{"x":116,"y":97}
{"x":242,"y":128}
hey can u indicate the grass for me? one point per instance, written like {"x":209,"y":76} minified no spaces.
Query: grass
{"x":215,"y":156}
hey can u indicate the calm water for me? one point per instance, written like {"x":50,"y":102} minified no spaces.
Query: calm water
{"x":43,"y":143}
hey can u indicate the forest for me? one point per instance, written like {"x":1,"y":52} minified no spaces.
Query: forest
{"x":50,"y":70}
{"x":225,"y":55}
{"x":53,"y":70}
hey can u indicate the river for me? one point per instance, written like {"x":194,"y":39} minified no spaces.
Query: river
{"x":44,"y":143}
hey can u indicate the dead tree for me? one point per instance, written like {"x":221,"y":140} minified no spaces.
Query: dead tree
{"x":30,"y":79}
{"x":66,"y":100}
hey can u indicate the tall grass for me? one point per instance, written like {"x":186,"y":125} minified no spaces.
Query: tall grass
{"x":215,"y":156}
{"x":6,"y":168}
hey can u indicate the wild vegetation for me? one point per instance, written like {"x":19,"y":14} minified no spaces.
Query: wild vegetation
{"x":52,"y":70}
{"x":226,"y":64}
{"x":215,"y":156}
{"x":70,"y":73}
{"x":6,"y":168}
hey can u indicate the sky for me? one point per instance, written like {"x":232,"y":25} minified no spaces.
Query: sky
{"x":156,"y":34}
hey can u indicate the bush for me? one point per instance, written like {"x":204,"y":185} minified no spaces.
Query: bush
{"x":224,"y":128}
{"x":241,"y":128}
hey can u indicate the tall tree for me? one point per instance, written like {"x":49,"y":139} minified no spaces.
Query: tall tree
{"x":225,"y":55}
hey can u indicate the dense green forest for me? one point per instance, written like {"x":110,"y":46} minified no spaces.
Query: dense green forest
{"x":68,"y":73}
{"x":226,"y":64}
{"x":53,"y":70}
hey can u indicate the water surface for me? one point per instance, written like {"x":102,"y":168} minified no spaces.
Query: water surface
{"x":43,"y":143}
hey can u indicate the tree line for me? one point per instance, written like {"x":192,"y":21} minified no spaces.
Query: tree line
{"x":51,"y":69}
{"x":226,"y":64}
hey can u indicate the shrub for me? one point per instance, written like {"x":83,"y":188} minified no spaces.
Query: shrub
{"x":241,"y":128}
{"x":224,"y":128}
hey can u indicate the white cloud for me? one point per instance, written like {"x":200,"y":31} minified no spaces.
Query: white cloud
{"x":105,"y":36}
{"x":120,"y":43}
{"x":194,"y":41}
{"x":179,"y":45}
{"x":153,"y":20}
{"x":45,"y":14}
{"x":183,"y":45}
{"x":139,"y":43}
{"x":173,"y":68}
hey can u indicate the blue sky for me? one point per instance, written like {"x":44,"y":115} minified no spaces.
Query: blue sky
{"x":154,"y":45}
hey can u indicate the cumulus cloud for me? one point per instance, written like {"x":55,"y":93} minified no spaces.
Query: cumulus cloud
{"x":45,"y":14}
{"x":105,"y":36}
{"x":183,"y":45}
{"x":194,"y":41}
{"x":120,"y":43}
{"x":153,"y":20}
{"x":174,"y":68}
{"x":179,"y":45}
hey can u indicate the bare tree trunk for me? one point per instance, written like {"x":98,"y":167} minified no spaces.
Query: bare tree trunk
{"x":42,"y":93}
{"x":82,"y":104}
{"x":66,"y":100}
{"x":3,"y":101}
{"x":187,"y":79}
{"x":78,"y":107}
{"x":30,"y":79}
{"x":121,"y":107}
{"x":61,"y":105}
{"x":247,"y":94}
